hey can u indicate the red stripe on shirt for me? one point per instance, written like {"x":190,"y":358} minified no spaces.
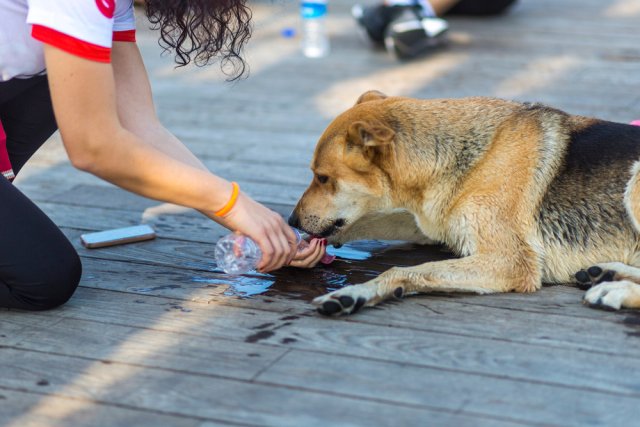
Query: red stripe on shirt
{"x":71,"y":44}
{"x":124,"y":36}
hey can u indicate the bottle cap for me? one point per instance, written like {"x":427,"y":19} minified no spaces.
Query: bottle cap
{"x":301,"y":235}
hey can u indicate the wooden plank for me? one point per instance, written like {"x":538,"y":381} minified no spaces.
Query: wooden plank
{"x":151,"y":348}
{"x":360,"y":338}
{"x":517,"y":400}
{"x":190,"y":350}
{"x":203,"y":396}
{"x":35,"y":409}
{"x":445,"y":317}
{"x":295,"y":288}
{"x":434,"y":386}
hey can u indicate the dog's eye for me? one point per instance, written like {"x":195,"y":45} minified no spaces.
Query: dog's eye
{"x":322,"y":179}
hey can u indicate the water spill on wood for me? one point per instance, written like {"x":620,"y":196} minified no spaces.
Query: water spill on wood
{"x":356,"y":262}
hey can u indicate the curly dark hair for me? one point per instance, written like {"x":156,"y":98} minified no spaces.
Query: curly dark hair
{"x":198,"y":31}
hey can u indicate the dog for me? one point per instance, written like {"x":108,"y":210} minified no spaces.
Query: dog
{"x":523,"y":193}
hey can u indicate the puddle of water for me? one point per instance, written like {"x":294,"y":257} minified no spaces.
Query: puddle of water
{"x":348,"y":252}
{"x":357,"y":262}
{"x":243,"y":286}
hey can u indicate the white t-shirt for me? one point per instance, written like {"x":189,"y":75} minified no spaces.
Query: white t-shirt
{"x":82,"y":27}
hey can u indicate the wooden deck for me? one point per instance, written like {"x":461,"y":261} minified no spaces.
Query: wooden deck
{"x":154,"y":337}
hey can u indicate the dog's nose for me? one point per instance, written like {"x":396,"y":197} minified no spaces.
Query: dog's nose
{"x":294,"y":221}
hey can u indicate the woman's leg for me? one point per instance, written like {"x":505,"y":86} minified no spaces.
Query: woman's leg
{"x":39,"y":268}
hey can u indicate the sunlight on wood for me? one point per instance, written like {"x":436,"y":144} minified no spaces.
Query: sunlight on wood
{"x":100,"y":378}
{"x":623,"y":9}
{"x":401,"y":80}
{"x":539,"y":74}
{"x":163,"y":209}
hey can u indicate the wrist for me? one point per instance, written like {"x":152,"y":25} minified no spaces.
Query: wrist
{"x":232,"y":198}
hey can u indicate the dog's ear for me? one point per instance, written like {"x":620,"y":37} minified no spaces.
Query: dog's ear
{"x":371,"y":95}
{"x":370,"y":134}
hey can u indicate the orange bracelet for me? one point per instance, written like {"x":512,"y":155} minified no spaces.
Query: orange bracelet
{"x":232,"y":201}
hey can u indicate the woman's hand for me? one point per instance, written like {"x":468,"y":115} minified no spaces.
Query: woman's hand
{"x":309,"y":254}
{"x":276,"y":239}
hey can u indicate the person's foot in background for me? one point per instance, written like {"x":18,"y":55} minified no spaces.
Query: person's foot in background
{"x":410,"y":28}
{"x":406,"y":28}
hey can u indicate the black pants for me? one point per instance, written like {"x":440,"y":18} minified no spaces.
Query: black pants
{"x":480,"y":7}
{"x":39,"y":268}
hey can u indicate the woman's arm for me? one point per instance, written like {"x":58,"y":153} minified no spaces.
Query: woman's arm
{"x":110,"y":133}
{"x":135,"y":104}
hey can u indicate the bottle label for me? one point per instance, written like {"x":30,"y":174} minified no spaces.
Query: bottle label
{"x":313,"y":9}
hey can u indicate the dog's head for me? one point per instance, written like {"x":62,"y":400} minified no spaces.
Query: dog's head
{"x":351,"y":167}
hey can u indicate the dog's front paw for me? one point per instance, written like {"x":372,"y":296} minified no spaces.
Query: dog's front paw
{"x":613,"y":295}
{"x":350,"y":299}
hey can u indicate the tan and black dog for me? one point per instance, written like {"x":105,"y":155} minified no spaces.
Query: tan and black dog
{"x":523,"y":193}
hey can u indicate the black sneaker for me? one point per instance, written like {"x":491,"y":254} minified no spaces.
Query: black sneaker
{"x":410,"y":35}
{"x":376,"y":19}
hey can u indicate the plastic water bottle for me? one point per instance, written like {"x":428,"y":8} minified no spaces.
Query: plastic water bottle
{"x":238,"y":254}
{"x":315,"y":41}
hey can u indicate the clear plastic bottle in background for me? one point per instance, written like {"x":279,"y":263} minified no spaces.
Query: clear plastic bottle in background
{"x":238,"y":254}
{"x":315,"y":40}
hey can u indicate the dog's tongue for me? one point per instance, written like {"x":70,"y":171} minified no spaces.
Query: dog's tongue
{"x":326,"y":258}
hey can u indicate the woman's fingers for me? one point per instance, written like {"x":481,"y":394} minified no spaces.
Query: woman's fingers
{"x":285,"y":249}
{"x":267,"y":252}
{"x":292,"y":242}
{"x":310,"y":256}
{"x":282,"y":240}
{"x":318,"y":254}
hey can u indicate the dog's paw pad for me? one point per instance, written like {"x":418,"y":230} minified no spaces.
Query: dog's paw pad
{"x":594,"y":271}
{"x":359,"y":303}
{"x":342,"y":305}
{"x":584,"y":280}
{"x":593,"y":276}
{"x":330,"y":308}
{"x":347,"y":300}
{"x":398,"y":293}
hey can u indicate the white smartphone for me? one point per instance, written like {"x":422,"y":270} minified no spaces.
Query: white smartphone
{"x":117,"y":236}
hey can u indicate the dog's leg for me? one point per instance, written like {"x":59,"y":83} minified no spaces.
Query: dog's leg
{"x":614,"y":295}
{"x":475,"y":274}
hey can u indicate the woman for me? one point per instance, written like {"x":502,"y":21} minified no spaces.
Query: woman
{"x":96,"y":85}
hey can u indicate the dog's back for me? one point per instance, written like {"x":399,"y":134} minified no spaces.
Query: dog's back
{"x":583,"y":217}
